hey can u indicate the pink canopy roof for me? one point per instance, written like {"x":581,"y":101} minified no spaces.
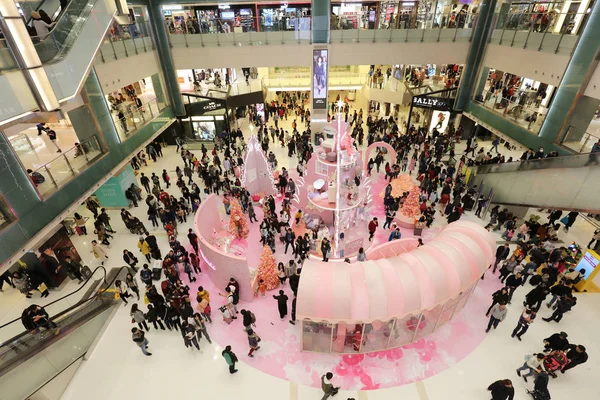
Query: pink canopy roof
{"x":395,"y":287}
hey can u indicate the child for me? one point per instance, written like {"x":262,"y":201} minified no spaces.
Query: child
{"x":297,"y":216}
{"x":262,"y":288}
{"x":226,"y":314}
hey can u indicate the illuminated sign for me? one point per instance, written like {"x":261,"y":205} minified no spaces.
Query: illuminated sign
{"x":319,"y":75}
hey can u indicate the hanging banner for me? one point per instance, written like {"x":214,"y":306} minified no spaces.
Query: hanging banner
{"x":320,"y":73}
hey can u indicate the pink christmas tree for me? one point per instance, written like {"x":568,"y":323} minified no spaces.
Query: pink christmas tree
{"x":412,"y":207}
{"x":267,"y":270}
{"x":257,"y":175}
{"x":238,"y":222}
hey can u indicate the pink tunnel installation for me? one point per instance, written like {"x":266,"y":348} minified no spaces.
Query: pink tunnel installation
{"x":389,"y":302}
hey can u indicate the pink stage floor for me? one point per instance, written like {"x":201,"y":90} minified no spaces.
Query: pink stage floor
{"x":280,"y":353}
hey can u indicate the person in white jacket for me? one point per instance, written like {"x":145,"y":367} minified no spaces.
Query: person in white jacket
{"x":534,"y":363}
{"x":41,"y":27}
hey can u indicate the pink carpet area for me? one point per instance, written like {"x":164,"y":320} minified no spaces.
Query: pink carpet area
{"x":280,"y":353}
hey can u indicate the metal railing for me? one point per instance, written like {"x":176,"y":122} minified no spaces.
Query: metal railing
{"x":430,"y":27}
{"x":572,"y":161}
{"x":129,"y":118}
{"x":580,"y":140}
{"x":547,"y":31}
{"x":69,"y":163}
{"x":124,"y":41}
{"x":518,"y":110}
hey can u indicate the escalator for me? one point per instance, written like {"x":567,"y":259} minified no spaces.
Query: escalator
{"x":66,"y":52}
{"x":568,"y":183}
{"x":30,"y":359}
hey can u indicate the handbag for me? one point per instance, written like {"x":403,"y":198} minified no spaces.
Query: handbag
{"x":564,"y":220}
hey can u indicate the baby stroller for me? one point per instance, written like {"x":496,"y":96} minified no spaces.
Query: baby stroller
{"x":540,"y":389}
{"x":555,"y":361}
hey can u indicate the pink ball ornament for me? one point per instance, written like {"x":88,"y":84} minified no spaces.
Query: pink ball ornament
{"x":358,"y":370}
{"x":420,"y":344}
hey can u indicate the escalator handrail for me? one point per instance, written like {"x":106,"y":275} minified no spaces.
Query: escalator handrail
{"x":569,"y":161}
{"x":62,"y":14}
{"x":76,"y":305}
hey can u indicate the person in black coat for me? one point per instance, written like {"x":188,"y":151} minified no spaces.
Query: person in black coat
{"x":130,"y":259}
{"x":536,"y":297}
{"x":576,"y":355}
{"x":295,"y":281}
{"x":558,"y":341}
{"x":512,"y":283}
{"x":293,"y":320}
{"x":501,"y":253}
{"x":152,"y":316}
{"x":73,"y":267}
{"x":565,"y":304}
{"x":281,"y":304}
{"x":502,"y":390}
{"x":500,"y":296}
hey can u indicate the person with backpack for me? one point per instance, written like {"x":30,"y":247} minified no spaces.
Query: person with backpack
{"x":139,"y":337}
{"x":156,"y":180}
{"x":253,"y":341}
{"x":230,"y":359}
{"x":327,"y":387}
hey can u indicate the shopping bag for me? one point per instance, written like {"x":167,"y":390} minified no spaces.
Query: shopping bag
{"x":564,"y":220}
{"x":146,"y":300}
{"x":42,"y":287}
{"x":117,"y":295}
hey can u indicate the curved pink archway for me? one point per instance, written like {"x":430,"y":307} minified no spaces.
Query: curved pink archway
{"x":389,"y":148}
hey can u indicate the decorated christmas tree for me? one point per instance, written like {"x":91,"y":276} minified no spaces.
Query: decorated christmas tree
{"x":238,"y":222}
{"x":411,"y":207}
{"x":266,"y":269}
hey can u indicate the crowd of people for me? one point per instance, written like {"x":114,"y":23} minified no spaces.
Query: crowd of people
{"x":551,"y":275}
{"x":443,"y":191}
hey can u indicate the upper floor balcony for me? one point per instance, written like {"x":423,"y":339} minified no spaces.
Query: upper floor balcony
{"x":347,"y":28}
{"x":552,"y":31}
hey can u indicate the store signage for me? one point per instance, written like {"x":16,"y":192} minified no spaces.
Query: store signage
{"x":211,"y":106}
{"x":436,"y":103}
{"x":319,"y":78}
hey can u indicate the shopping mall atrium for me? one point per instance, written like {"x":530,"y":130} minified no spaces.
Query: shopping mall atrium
{"x":299,"y":200}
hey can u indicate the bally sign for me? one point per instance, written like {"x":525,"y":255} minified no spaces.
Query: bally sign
{"x":436,"y":103}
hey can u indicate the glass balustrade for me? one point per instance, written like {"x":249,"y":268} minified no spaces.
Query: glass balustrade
{"x":529,"y":115}
{"x":129,"y":118}
{"x":440,"y":27}
{"x":580,"y":140}
{"x":551,"y":31}
{"x":126,"y":40}
{"x":68,"y":164}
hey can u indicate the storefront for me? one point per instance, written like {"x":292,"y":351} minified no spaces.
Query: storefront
{"x":432,"y":111}
{"x":349,"y":15}
{"x":207,"y":118}
{"x":282,"y":16}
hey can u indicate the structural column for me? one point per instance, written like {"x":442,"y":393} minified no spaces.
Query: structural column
{"x":320,"y":27}
{"x":164,"y":54}
{"x":476,"y":52}
{"x":569,"y":94}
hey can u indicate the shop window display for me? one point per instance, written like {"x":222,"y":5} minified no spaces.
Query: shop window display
{"x":316,"y":336}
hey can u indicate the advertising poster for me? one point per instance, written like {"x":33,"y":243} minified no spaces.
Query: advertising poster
{"x":439,"y":121}
{"x":320,"y":79}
